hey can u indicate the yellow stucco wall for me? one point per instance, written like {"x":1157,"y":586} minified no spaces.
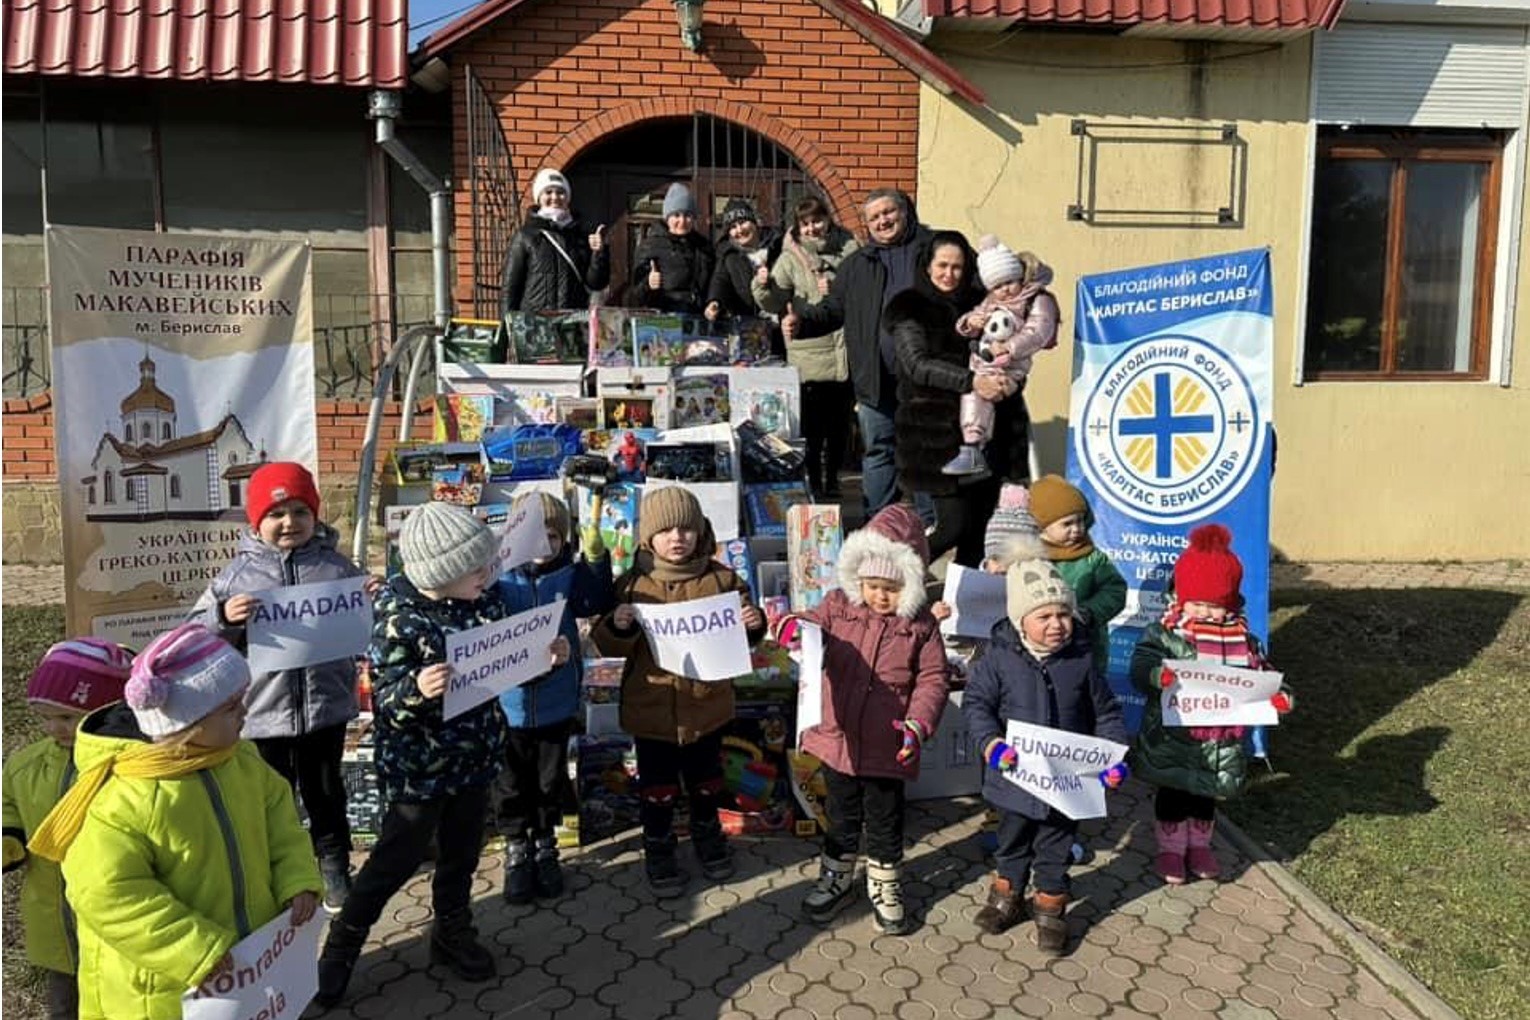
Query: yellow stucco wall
{"x":1366,"y":471}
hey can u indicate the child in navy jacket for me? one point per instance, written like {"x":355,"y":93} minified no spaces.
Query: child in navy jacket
{"x":541,"y":713}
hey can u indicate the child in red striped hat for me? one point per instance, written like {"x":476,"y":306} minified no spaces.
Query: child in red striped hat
{"x":1195,"y":766}
{"x":73,"y":678}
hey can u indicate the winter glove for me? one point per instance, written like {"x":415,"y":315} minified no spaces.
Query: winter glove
{"x":591,"y":544}
{"x":1167,"y":678}
{"x":1113,"y":777}
{"x":789,"y":634}
{"x":1002,"y":757}
{"x":913,"y":740}
{"x":1283,"y":701}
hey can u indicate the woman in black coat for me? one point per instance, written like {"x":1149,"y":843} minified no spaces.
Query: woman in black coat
{"x":672,"y":268}
{"x":553,"y":261}
{"x":932,"y":376}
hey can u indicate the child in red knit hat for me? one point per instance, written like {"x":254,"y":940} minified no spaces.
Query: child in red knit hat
{"x":1194,"y":767}
{"x":296,"y":717}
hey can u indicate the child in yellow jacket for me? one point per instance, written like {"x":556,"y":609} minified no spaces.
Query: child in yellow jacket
{"x":74,"y":678}
{"x":177,"y":840}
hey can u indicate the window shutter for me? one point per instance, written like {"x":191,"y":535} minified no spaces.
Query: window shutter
{"x":1421,"y":75}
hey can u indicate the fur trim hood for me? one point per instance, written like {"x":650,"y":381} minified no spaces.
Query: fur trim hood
{"x":867,"y":542}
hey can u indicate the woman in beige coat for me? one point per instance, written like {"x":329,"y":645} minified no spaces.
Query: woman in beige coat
{"x":810,"y":256}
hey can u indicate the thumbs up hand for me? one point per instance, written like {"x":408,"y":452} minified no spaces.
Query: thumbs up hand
{"x":790,"y":323}
{"x":598,"y":239}
{"x":655,"y":278}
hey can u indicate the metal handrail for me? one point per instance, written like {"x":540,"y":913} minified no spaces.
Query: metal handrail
{"x":380,"y":391}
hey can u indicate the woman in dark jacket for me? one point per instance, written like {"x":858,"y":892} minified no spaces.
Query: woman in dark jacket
{"x":932,"y":376}
{"x":744,"y":249}
{"x":553,"y":262}
{"x":673,"y":268}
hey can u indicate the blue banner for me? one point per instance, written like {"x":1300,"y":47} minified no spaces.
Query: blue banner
{"x":1169,"y":427}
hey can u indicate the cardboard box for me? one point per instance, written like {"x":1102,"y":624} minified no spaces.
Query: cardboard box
{"x":605,"y":780}
{"x":949,"y":765}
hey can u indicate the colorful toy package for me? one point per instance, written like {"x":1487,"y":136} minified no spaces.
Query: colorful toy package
{"x":605,"y":779}
{"x":737,"y":556}
{"x":756,"y":773}
{"x":657,"y":340}
{"x":618,"y":521}
{"x":811,"y":792}
{"x":463,"y":417}
{"x":700,"y":400}
{"x":549,"y":338}
{"x":814,"y":536}
{"x":626,"y":449}
{"x":768,"y":502}
{"x":610,"y":338}
{"x":529,"y":451}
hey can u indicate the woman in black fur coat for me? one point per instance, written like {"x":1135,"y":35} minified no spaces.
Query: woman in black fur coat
{"x":931,"y":358}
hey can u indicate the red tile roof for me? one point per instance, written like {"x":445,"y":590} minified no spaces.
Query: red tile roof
{"x":321,"y":42}
{"x":1268,"y":15}
{"x":876,"y":29}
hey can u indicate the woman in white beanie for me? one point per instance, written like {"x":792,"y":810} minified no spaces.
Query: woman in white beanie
{"x":553,"y":261}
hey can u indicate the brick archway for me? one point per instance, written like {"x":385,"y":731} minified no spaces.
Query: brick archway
{"x":802,"y":148}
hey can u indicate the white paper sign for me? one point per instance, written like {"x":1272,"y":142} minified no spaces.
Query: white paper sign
{"x":1061,"y":768}
{"x":308,"y":624}
{"x":809,"y":677}
{"x":1207,"y":694}
{"x":524,"y":535}
{"x":275,"y":975}
{"x":977,"y":601}
{"x":703,"y":639}
{"x":489,"y":660}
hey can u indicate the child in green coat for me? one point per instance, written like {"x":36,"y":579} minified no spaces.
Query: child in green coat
{"x":73,"y":679}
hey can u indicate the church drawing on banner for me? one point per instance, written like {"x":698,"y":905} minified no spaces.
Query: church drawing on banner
{"x":149,"y":472}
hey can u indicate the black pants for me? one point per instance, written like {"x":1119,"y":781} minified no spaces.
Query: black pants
{"x":457,"y":823}
{"x":864,"y":802}
{"x":311,"y":763}
{"x":1170,"y":805}
{"x":1035,"y":846}
{"x":63,"y":996}
{"x":661,"y":768}
{"x":826,"y":408}
{"x":960,"y":520}
{"x":531,"y":787}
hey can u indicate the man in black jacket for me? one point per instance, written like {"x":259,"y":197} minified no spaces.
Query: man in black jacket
{"x":867,"y":281}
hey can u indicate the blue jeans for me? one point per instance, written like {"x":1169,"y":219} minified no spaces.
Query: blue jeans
{"x":879,"y":471}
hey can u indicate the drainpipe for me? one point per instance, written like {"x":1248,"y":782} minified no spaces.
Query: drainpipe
{"x":383,"y":107}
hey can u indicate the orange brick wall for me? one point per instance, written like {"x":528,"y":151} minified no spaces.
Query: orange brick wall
{"x":341,"y":426}
{"x":567,"y":74}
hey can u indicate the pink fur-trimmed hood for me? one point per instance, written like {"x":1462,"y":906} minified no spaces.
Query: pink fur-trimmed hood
{"x":895,"y":534}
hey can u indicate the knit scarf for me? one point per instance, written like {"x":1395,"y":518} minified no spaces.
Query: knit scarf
{"x":559,"y":217}
{"x":668,"y":573}
{"x":1066,"y":553}
{"x":1226,"y":643}
{"x":144,"y":761}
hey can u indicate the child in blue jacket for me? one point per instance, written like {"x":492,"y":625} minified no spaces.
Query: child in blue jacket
{"x":541,"y":713}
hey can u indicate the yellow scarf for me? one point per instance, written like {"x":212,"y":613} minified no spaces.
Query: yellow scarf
{"x":144,"y":761}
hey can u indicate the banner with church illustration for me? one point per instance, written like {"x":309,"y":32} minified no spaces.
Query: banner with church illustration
{"x":180,"y":363}
{"x":1169,"y":427}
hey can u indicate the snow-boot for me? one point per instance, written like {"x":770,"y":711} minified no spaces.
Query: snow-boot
{"x":884,"y":884}
{"x":665,"y":877}
{"x":520,"y":876}
{"x":712,"y":850}
{"x":1199,"y":858}
{"x":342,"y":948}
{"x":1049,"y":909}
{"x":336,"y":875}
{"x":1005,"y":907}
{"x":1173,"y":837}
{"x":454,"y":944}
{"x":836,"y":881}
{"x":549,"y":873}
{"x":969,"y":460}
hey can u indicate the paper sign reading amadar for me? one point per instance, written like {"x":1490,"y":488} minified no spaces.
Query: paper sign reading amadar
{"x":180,"y":363}
{"x":1061,"y":768}
{"x":703,"y":639}
{"x":309,"y":623}
{"x":1204,"y":694}
{"x":489,"y":660}
{"x":275,"y":975}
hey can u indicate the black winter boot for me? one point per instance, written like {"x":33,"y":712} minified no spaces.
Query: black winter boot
{"x":342,"y":948}
{"x":520,"y":878}
{"x":336,"y":873}
{"x":665,"y":877}
{"x":454,"y":944}
{"x":549,"y":873}
{"x":712,"y":850}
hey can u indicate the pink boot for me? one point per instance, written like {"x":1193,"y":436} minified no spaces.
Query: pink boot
{"x":1199,"y":858}
{"x":1172,"y":840}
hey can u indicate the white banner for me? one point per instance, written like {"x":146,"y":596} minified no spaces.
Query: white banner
{"x":489,"y":660}
{"x":703,"y":639}
{"x":977,"y":601}
{"x":1061,"y":768}
{"x":524,"y":537}
{"x":809,"y":677}
{"x":1206,"y":694}
{"x":180,"y":363}
{"x":275,"y":975}
{"x":309,"y":623}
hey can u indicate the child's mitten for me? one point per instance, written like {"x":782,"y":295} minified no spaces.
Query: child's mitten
{"x":1002,"y":757}
{"x":913,"y":740}
{"x":1283,"y":701}
{"x":1113,"y":777}
{"x":590,"y":543}
{"x":789,"y":634}
{"x":1167,"y":678}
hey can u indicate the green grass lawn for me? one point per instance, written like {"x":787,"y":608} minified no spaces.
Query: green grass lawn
{"x":1400,"y":797}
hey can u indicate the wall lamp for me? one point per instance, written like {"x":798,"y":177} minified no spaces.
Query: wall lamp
{"x":688,"y":15}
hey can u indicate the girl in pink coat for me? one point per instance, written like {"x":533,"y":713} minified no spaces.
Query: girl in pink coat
{"x":884,"y":687}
